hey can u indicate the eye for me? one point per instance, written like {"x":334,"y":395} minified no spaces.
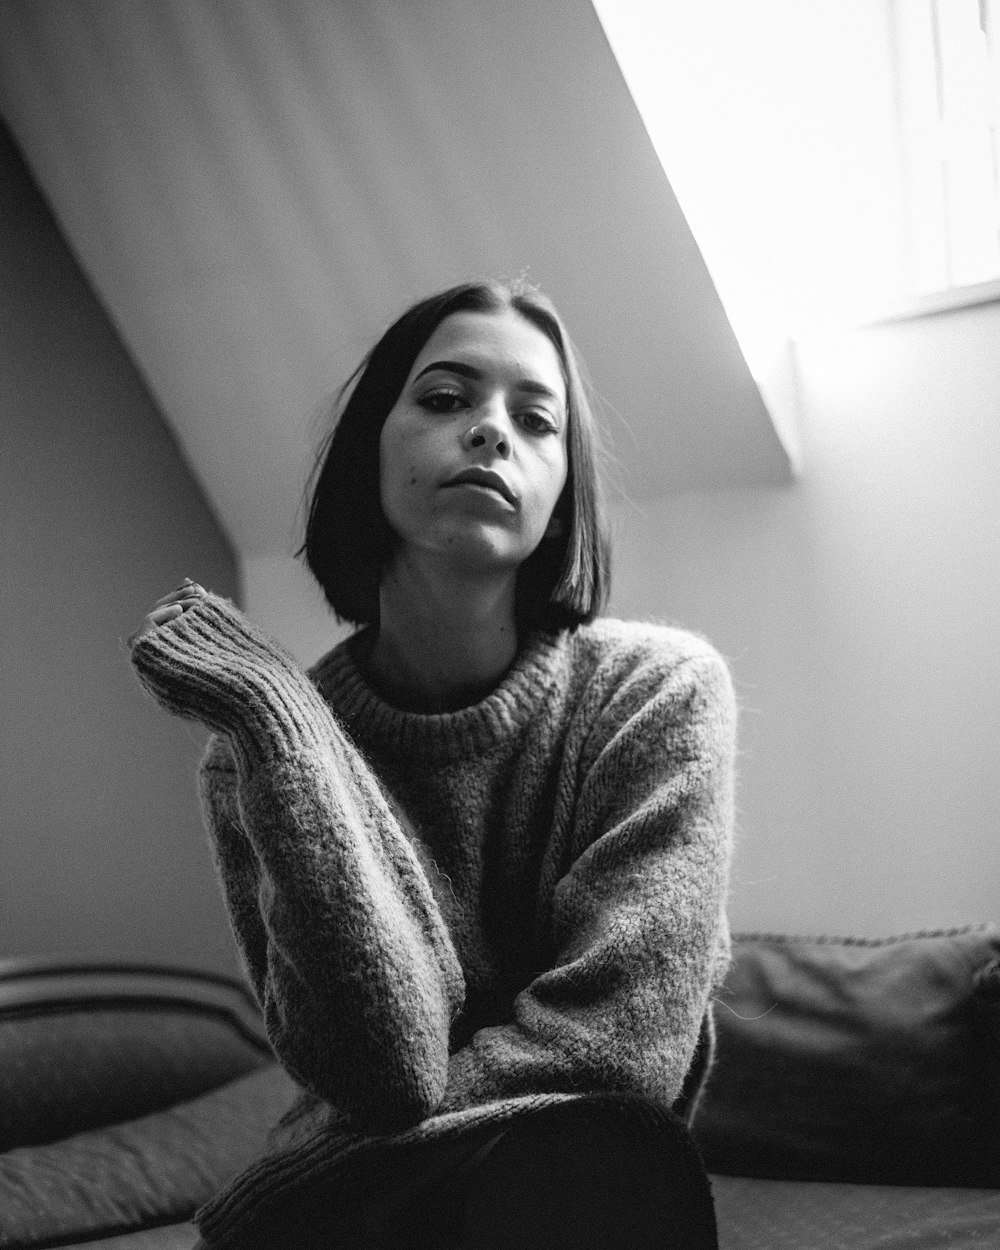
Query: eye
{"x":442,"y":400}
{"x":537,"y":421}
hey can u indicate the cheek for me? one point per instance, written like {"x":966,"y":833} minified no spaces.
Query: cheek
{"x":558,"y":477}
{"x":394,"y":469}
{"x":398,"y":486}
{"x":409,"y":462}
{"x":401,"y":482}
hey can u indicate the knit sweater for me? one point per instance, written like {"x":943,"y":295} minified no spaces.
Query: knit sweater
{"x":448,"y":919}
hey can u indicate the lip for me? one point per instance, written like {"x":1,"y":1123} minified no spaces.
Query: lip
{"x":475,"y":476}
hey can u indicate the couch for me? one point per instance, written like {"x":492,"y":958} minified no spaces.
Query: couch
{"x":854,"y":1103}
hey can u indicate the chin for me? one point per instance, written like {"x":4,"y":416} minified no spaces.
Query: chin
{"x":485,"y":551}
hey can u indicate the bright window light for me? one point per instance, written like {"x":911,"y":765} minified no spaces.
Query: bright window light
{"x":778,"y":123}
{"x":946,"y":55}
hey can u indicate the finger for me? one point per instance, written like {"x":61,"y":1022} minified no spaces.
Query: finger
{"x":178,"y":606}
{"x":192,"y":591}
{"x":160,"y":616}
{"x":168,"y":612}
{"x":172,"y":596}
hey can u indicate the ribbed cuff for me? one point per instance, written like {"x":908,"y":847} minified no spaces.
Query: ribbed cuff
{"x":212,"y":665}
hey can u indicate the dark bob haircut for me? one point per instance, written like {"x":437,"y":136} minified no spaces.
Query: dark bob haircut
{"x":348,"y":542}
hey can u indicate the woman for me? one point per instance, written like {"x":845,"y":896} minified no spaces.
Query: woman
{"x":476,"y":860}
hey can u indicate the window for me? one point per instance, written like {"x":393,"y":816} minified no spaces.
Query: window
{"x":837,"y":160}
{"x":946,"y":56}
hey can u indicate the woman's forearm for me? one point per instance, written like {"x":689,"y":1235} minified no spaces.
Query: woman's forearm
{"x":350,"y":956}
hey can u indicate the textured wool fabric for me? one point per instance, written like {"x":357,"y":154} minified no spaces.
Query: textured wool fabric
{"x":449,"y":918}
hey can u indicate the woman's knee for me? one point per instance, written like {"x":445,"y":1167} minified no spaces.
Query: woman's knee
{"x":596,"y":1172}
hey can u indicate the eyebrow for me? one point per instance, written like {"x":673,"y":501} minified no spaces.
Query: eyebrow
{"x":477,"y":375}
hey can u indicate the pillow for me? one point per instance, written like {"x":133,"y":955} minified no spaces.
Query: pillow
{"x":88,"y":1045}
{"x":154,"y":1170}
{"x":858,"y":1061}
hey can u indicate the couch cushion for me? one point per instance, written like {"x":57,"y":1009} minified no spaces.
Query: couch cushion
{"x":854,"y":1060}
{"x":149,"y":1171}
{"x":87,"y":1045}
{"x":757,"y":1214}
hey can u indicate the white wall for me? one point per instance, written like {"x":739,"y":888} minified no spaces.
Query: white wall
{"x":104,"y":850}
{"x":280,"y":594}
{"x":860,"y":611}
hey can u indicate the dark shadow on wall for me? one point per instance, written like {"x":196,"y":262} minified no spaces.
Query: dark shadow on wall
{"x":104,"y":854}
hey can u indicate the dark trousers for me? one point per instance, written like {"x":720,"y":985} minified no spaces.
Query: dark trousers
{"x":601,"y":1172}
{"x":597,"y":1173}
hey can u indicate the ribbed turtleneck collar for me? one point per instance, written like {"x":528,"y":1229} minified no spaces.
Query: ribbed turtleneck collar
{"x":446,"y":736}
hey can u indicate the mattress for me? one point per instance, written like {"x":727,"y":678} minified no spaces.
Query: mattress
{"x":784,"y":1215}
{"x":811,"y":1215}
{"x":167,"y":1237}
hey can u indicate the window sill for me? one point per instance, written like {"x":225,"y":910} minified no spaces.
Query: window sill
{"x":935,"y":302}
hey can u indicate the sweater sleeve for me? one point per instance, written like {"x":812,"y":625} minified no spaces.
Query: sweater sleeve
{"x":639,"y":937}
{"x":335,"y":917}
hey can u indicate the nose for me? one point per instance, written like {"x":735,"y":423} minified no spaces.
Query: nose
{"x":490,"y":431}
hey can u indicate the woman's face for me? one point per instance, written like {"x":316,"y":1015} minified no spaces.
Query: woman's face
{"x":472,"y":457}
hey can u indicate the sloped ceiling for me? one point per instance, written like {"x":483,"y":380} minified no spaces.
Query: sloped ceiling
{"x":256,"y":189}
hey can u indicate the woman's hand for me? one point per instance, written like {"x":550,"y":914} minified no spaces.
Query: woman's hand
{"x":170,"y":606}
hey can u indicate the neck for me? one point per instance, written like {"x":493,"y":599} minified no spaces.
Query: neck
{"x":443,"y":642}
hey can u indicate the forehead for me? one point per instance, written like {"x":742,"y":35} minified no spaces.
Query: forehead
{"x":504,"y":345}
